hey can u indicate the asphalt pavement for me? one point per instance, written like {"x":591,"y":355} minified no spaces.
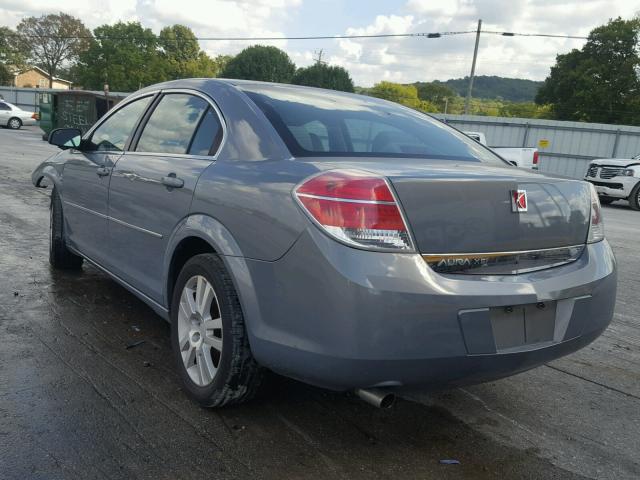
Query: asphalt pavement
{"x":88,"y":387}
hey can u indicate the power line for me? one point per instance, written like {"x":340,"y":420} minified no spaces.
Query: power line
{"x":430,"y":35}
{"x":543,"y":35}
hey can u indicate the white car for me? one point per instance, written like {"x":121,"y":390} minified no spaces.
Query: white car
{"x":14,"y":117}
{"x":616,"y":179}
{"x":523,"y":157}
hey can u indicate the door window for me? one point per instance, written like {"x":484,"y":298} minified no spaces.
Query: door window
{"x":4,"y":106}
{"x":208,"y":136}
{"x":113,"y":133}
{"x":172,"y":124}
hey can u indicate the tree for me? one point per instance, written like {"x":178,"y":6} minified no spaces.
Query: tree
{"x":182,"y":57}
{"x":181,"y":54}
{"x":123,"y":55}
{"x":598,"y":83}
{"x":259,"y":62}
{"x":10,"y":56}
{"x":53,"y":40}
{"x":179,"y":43}
{"x":404,"y":94}
{"x":324,"y":76}
{"x":524,"y":110}
{"x":434,"y":92}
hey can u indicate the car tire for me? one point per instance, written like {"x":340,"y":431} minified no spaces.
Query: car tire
{"x":60,"y":257}
{"x":209,"y":337}
{"x":606,"y":200}
{"x":634,"y":198}
{"x":14,"y":123}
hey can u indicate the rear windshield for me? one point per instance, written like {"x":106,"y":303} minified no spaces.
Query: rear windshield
{"x":320,"y":123}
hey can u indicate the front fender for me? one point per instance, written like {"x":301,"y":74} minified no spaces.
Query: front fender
{"x":51,"y":170}
{"x":213,"y":232}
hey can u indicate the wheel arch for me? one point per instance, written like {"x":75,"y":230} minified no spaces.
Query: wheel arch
{"x":46,"y":176}
{"x":199,"y":233}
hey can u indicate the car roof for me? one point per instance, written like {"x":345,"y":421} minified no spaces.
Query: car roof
{"x":238,"y":83}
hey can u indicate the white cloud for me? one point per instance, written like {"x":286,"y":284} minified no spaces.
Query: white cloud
{"x":411,"y":59}
{"x":368,"y":60}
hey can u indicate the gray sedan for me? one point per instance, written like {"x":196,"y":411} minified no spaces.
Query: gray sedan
{"x":337,"y":239}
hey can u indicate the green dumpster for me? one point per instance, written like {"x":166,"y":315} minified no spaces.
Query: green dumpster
{"x":73,"y":109}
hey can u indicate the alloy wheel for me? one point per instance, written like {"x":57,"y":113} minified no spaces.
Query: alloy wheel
{"x":200,"y":330}
{"x":14,"y":123}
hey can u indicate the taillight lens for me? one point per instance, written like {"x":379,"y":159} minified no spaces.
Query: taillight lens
{"x":356,"y":208}
{"x":596,"y":227}
{"x":536,"y":157}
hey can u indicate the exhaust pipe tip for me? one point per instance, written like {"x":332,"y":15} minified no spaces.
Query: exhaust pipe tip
{"x":376,"y":397}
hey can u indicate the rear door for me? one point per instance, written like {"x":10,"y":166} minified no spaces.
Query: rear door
{"x":152,"y":185}
{"x":86,"y":179}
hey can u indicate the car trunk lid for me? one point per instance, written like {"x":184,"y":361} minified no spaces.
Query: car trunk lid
{"x":467,"y":207}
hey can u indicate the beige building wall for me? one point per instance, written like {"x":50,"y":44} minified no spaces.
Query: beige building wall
{"x":34,"y":79}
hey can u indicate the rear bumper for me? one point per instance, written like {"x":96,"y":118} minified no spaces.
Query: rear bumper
{"x":617,"y":187}
{"x":343,"y":318}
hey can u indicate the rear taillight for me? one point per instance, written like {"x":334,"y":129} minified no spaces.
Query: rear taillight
{"x":535,"y":157}
{"x":596,"y":225}
{"x":356,"y":208}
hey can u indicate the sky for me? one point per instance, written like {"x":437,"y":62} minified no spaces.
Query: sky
{"x":368,"y":60}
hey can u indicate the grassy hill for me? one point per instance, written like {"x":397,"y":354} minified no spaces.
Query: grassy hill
{"x":511,"y":89}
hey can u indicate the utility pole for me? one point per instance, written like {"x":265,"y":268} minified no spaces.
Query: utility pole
{"x":319,"y":53}
{"x":467,"y":101}
{"x":106,"y":96}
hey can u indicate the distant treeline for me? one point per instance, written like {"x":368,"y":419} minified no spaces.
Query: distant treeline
{"x":496,"y":88}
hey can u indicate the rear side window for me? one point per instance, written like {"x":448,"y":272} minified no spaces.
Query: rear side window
{"x":4,"y":106}
{"x":312,"y":136}
{"x":208,"y":136}
{"x":172,"y":124}
{"x":375,"y":136}
{"x":321,"y":123}
{"x":113,"y":133}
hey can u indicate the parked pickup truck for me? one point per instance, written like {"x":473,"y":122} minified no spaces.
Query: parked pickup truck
{"x":616,"y":179}
{"x":520,"y":157}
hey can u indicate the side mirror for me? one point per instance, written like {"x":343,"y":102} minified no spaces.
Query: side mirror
{"x":65,"y":138}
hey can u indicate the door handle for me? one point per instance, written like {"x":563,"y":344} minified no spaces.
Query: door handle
{"x":102,"y":171}
{"x":171,"y":181}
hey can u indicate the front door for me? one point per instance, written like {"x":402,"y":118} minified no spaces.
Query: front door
{"x":5,"y":113}
{"x":86,"y":179}
{"x":152,"y":186}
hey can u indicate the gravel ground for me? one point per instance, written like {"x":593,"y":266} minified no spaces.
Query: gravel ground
{"x":75,"y":402}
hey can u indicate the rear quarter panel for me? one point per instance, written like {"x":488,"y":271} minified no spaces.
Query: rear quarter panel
{"x":249,"y":188}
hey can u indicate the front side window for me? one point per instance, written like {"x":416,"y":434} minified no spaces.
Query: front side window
{"x":113,"y":133}
{"x":324,"y":124}
{"x":172,"y":124}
